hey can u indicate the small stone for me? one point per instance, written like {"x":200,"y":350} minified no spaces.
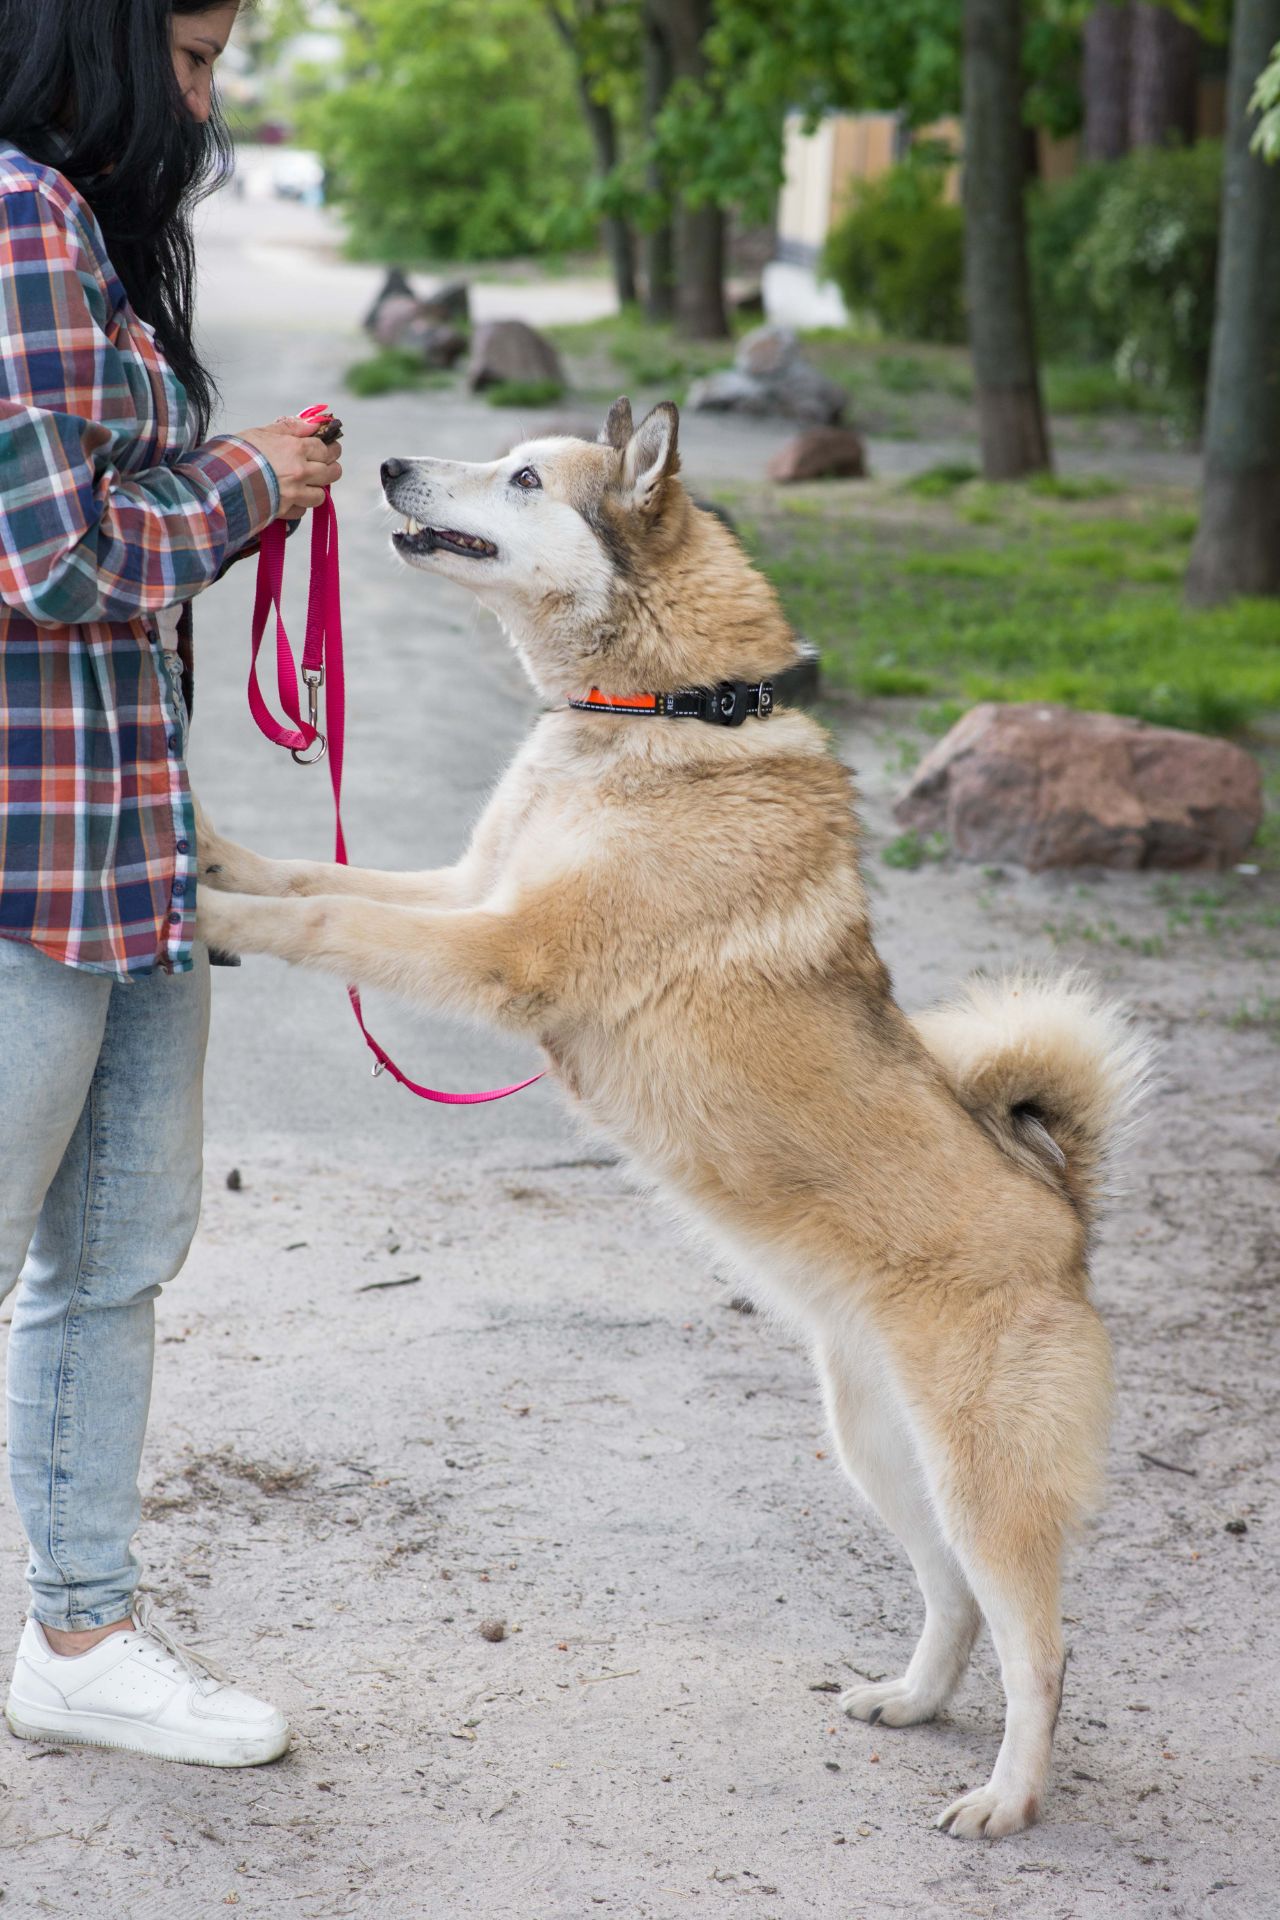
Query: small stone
{"x":493,"y":1630}
{"x":1236,"y":1526}
{"x":508,"y":350}
{"x":234,"y":1180}
{"x":770,"y":375}
{"x":820,"y":453}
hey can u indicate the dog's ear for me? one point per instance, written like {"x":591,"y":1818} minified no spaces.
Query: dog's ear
{"x":617,"y":429}
{"x":651,"y":458}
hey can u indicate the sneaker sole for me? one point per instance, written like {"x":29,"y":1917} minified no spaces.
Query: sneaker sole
{"x":157,"y":1743}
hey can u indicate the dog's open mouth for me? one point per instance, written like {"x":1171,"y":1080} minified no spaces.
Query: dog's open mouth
{"x":418,"y":539}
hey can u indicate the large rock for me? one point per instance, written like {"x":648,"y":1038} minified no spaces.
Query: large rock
{"x":450,"y":304}
{"x":429,"y":324}
{"x":503,"y":350}
{"x":436,"y":344}
{"x":391,"y":318}
{"x":820,"y":453}
{"x":771,"y":375}
{"x":1045,"y":786}
{"x":395,"y":287}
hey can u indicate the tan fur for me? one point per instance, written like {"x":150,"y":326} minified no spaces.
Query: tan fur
{"x":1053,"y":1072}
{"x":675,"y":913}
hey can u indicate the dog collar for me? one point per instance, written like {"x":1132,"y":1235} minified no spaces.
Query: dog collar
{"x":727,"y":705}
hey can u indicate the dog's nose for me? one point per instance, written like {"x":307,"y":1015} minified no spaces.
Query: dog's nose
{"x":392,"y":470}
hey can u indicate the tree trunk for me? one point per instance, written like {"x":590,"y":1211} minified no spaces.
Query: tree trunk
{"x":604,"y":138}
{"x":1164,"y":76}
{"x":700,"y":231}
{"x":1108,"y":38}
{"x":659,"y":240}
{"x":997,"y":282}
{"x":1237,"y":546}
{"x":700,"y":250}
{"x":617,"y":228}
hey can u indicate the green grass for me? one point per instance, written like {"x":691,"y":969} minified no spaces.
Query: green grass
{"x":905,"y":389}
{"x":393,"y":370}
{"x":1096,"y":388}
{"x":523,"y":393}
{"x":912,"y":849}
{"x":626,"y":351}
{"x":1048,"y":597}
{"x":939,"y":482}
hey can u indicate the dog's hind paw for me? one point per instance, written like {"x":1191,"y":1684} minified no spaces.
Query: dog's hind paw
{"x":889,"y":1703}
{"x":989,"y":1813}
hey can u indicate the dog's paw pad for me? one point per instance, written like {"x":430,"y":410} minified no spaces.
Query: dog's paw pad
{"x":989,"y":1813}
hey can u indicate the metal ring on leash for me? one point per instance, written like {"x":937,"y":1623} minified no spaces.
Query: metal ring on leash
{"x":300,"y":754}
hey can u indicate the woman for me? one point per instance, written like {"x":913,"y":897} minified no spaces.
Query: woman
{"x":115,"y":509}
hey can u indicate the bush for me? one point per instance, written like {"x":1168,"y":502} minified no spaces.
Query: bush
{"x":1123,"y":259}
{"x":1151,"y":264}
{"x":1059,"y":221}
{"x":898,"y":252}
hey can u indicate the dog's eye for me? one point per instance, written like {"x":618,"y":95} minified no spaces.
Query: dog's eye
{"x":526,"y":478}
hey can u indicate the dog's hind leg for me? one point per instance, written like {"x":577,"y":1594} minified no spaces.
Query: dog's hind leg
{"x":1019,"y":1466}
{"x":877,"y":1452}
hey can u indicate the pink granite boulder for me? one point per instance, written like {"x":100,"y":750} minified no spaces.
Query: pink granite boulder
{"x":1045,"y":786}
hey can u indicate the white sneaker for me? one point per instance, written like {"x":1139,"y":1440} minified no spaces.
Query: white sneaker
{"x":141,"y":1691}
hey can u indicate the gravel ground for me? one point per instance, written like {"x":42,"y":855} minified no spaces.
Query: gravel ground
{"x":429,"y":1370}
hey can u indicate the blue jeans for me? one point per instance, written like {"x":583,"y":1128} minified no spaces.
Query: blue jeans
{"x":101,"y":1098}
{"x":100,"y":1164}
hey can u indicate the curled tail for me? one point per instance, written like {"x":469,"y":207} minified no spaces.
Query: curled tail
{"x":1053,"y":1073}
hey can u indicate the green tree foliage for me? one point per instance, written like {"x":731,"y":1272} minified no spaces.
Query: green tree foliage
{"x":721,"y":141}
{"x":1266,"y":103}
{"x":454,"y":131}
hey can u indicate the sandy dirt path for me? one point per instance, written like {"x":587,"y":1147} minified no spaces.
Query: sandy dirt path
{"x":425,"y":1371}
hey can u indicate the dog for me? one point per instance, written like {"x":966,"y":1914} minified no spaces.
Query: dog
{"x":664,"y":893}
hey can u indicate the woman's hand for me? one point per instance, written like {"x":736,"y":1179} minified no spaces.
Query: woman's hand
{"x":303,"y":465}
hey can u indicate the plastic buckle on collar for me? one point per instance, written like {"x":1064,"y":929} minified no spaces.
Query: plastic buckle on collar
{"x":728,"y":704}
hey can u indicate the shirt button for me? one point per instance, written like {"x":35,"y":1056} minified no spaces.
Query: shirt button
{"x":173,"y":743}
{"x":179,"y":888}
{"x":183,"y":846}
{"x":175,"y":919}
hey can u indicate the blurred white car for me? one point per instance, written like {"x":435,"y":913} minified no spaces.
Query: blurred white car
{"x":297,"y":174}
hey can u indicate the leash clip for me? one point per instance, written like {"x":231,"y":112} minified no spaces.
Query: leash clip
{"x":314,"y":677}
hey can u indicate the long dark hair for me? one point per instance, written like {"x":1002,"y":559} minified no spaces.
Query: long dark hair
{"x":88,"y":87}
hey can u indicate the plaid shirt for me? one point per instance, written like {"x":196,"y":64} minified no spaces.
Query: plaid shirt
{"x":107,"y":514}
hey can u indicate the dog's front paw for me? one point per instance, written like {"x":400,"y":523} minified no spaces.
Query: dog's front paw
{"x":226,"y":867}
{"x":218,"y":920}
{"x":889,"y":1703}
{"x":989,"y":1813}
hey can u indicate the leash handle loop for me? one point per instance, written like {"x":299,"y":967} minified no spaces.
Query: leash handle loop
{"x":322,"y":666}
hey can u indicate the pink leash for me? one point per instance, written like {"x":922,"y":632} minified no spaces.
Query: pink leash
{"x":322,"y":667}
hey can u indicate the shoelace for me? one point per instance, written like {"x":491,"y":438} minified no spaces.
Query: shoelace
{"x":194,"y":1665}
